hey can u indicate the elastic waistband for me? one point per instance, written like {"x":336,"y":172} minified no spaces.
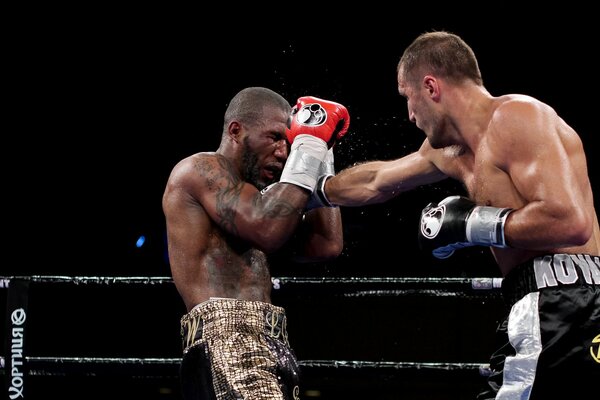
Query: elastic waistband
{"x":552,"y":270}
{"x":218,"y":317}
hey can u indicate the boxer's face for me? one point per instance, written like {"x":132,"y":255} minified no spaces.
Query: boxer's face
{"x":414,"y":102}
{"x":265,"y":149}
{"x":420,"y":95}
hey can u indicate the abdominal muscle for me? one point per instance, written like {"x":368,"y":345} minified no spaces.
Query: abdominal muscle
{"x":224,"y":275}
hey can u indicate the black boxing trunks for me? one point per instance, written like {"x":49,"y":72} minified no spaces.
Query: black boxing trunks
{"x":236,"y":349}
{"x":549,"y":343}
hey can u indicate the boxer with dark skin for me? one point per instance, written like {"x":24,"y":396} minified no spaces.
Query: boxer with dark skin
{"x":225,"y":213}
{"x":529,"y":199}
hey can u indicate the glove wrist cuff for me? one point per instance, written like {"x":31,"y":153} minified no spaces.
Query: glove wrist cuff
{"x":320,"y":191}
{"x":485,"y":226}
{"x":318,"y":197}
{"x":328,"y":167}
{"x":303,"y":165}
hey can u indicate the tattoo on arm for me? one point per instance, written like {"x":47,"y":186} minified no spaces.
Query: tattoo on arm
{"x":228,"y":195}
{"x":227,"y":187}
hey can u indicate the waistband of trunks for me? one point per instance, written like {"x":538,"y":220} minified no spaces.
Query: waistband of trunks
{"x":552,"y":270}
{"x":224,"y":316}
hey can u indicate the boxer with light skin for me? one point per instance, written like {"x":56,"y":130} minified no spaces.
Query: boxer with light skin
{"x":226,"y":211}
{"x":529,"y":200}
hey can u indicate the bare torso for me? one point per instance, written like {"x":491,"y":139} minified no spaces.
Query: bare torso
{"x":224,"y":267}
{"x":509,"y":152}
{"x":205,"y":260}
{"x":486,"y":175}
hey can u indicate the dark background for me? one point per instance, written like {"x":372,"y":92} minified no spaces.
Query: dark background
{"x":105,"y":107}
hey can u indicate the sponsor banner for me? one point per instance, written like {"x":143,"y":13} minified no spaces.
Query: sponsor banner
{"x":16,"y":318}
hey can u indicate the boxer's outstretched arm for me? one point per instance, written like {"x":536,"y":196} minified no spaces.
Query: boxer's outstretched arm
{"x":378,"y":181}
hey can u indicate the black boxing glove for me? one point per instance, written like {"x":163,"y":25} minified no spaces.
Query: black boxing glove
{"x":457,"y":222}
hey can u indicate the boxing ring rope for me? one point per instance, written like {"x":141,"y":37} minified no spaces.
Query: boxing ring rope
{"x":95,"y":366}
{"x":453,"y":286}
{"x":16,"y":364}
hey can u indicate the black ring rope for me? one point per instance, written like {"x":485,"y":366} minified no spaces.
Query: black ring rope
{"x":482,"y":368}
{"x":92,"y":366}
{"x":472,"y":283}
{"x":409,"y":292}
{"x":100,"y":280}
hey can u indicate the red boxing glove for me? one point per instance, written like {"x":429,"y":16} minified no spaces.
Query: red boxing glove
{"x":320,"y":118}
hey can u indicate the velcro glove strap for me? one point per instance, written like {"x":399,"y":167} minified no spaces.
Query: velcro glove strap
{"x":318,"y":197}
{"x":328,"y":167}
{"x":485,"y":226}
{"x":303,"y":165}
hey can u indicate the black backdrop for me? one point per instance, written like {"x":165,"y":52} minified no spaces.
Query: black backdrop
{"x":107,"y":105}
